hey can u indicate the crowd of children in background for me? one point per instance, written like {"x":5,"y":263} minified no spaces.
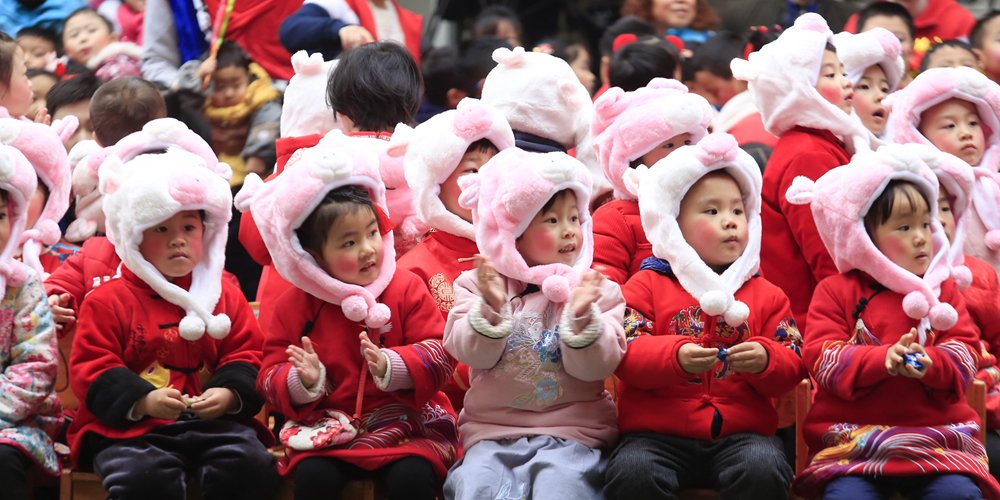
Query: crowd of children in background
{"x":505,"y":268}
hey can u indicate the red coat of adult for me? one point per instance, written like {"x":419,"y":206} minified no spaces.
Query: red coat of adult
{"x":653,"y":384}
{"x":414,"y":332}
{"x":945,"y":19}
{"x":127,"y":344}
{"x":255,"y":24}
{"x":411,"y":23}
{"x":620,"y":243}
{"x":792,"y":254}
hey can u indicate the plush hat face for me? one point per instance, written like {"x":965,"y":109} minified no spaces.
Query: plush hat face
{"x":168,"y":133}
{"x":841,"y":198}
{"x":782,"y":76}
{"x":18,"y":179}
{"x":434,"y":149}
{"x":860,"y":51}
{"x":304,"y":110}
{"x":539,"y":94}
{"x":627,"y":125}
{"x":149,"y":190}
{"x":504,"y":198}
{"x":282,"y":205}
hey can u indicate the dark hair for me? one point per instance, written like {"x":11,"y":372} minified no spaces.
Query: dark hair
{"x":46,"y":34}
{"x":958,"y":44}
{"x":33,"y":72}
{"x":887,"y":9}
{"x":87,"y":10}
{"x":881,"y":208}
{"x":978,"y":31}
{"x":4,"y":196}
{"x":488,"y":21}
{"x":339,"y":202}
{"x":705,"y":17}
{"x":552,"y":200}
{"x":122,"y":106}
{"x":438,"y":69}
{"x":628,"y":24}
{"x":79,"y":87}
{"x":8,"y":47}
{"x":475,"y":61}
{"x":377,"y":86}
{"x":565,"y":47}
{"x":635,"y":64}
{"x":830,"y":48}
{"x":483,"y":146}
{"x":717,"y":52}
{"x":231,"y":54}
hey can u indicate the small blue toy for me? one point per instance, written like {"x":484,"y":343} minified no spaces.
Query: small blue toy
{"x":911,"y":359}
{"x":722,"y":354}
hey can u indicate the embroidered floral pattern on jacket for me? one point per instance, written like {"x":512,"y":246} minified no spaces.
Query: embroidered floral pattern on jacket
{"x":533,"y":352}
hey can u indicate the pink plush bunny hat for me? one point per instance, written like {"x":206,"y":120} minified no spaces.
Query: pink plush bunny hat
{"x":860,"y":51}
{"x":43,"y":146}
{"x":628,"y":125}
{"x":957,"y":178}
{"x":85,"y":159}
{"x":841,"y":198}
{"x":434,"y":149}
{"x":280,"y":207}
{"x":301,"y":111}
{"x":18,"y":179}
{"x":505,"y":196}
{"x":168,"y":133}
{"x":661,"y":189}
{"x":782,"y":78}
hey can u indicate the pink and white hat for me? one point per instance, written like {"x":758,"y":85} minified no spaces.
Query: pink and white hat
{"x":85,"y":159}
{"x":627,"y":125}
{"x":661,"y":189}
{"x":860,"y":51}
{"x":957,"y":178}
{"x":168,"y":133}
{"x":18,"y":179}
{"x":434,"y":149}
{"x":43,"y":146}
{"x":152,"y":188}
{"x":505,"y":196}
{"x":283,"y":204}
{"x":841,"y":198}
{"x":304,"y":110}
{"x":782,"y":78}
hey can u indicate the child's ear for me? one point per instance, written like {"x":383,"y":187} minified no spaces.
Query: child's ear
{"x":455,"y":96}
{"x":93,"y":135}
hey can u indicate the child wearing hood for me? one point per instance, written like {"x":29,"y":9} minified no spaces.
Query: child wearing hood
{"x":874,"y":66}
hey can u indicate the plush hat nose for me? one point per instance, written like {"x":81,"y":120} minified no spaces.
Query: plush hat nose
{"x":187,"y":191}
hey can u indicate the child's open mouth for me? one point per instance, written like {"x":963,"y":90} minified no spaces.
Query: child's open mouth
{"x":368,"y":267}
{"x":568,"y":249}
{"x":879,"y":115}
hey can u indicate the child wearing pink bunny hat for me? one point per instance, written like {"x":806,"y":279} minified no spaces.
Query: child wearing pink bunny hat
{"x":875,"y":67}
{"x":890,"y":343}
{"x":540,"y":331}
{"x":631,"y":129}
{"x":709,"y":338}
{"x":355,"y":359}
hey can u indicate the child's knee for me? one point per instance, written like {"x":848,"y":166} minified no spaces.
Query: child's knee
{"x":151,"y":484}
{"x":952,"y":487}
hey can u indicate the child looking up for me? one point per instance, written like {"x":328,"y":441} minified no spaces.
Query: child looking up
{"x":708,"y":337}
{"x":540,"y":331}
{"x":165,"y":356}
{"x":15,"y":87}
{"x":874,"y":67}
{"x":890,"y":342}
{"x":809,"y":111}
{"x":656,"y":120}
{"x":89,"y":40}
{"x":323,"y":220}
{"x":31,"y":414}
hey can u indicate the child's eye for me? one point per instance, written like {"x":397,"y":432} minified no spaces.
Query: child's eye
{"x":189,"y":227}
{"x":687,"y":143}
{"x":927,"y":225}
{"x":712,"y":211}
{"x":373,"y":233}
{"x":738,"y":211}
{"x":574,"y":219}
{"x":161,"y":229}
{"x":551,"y":220}
{"x":863,"y":86}
{"x":668,"y":145}
{"x":904,"y":228}
{"x":347,"y":244}
{"x":471,"y":171}
{"x":945,"y":209}
{"x":974,"y":123}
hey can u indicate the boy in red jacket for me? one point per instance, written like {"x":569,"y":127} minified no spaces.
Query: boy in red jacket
{"x":709,"y":338}
{"x":146,"y":421}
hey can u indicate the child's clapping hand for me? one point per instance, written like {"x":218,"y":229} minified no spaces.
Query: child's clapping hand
{"x":490,"y":283}
{"x":696,"y":359}
{"x":306,"y":362}
{"x":584,"y":294}
{"x":61,"y":313}
{"x":896,"y":364}
{"x":377,"y":362}
{"x":750,"y":357}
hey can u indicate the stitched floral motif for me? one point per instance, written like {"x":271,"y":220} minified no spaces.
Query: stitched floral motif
{"x":442,"y":292}
{"x":533,"y":352}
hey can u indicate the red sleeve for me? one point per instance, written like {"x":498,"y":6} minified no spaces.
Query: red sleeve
{"x":283,"y":331}
{"x":847,"y":370}
{"x":245,"y":337}
{"x":614,"y":244}
{"x":650,"y":354}
{"x":430,"y":366}
{"x":781,"y":339}
{"x":251,"y":240}
{"x":953,"y":354}
{"x":982,"y":299}
{"x":800,"y":218}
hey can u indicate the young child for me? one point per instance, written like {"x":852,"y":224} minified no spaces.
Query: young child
{"x":540,"y":331}
{"x":438,"y":153}
{"x":41,"y":82}
{"x":71,"y":97}
{"x":15,"y":87}
{"x":41,"y":245}
{"x":38,"y":43}
{"x":166,"y":354}
{"x":499,"y":21}
{"x":944,"y":19}
{"x":631,"y":129}
{"x":895,"y":18}
{"x":639,"y":61}
{"x":357,"y":337}
{"x":573,"y":52}
{"x":31,"y":414}
{"x":957,"y":110}
{"x":606,"y":46}
{"x":874,"y":67}
{"x":242,"y":106}
{"x":89,"y":40}
{"x":985,"y":42}
{"x":718,"y":340}
{"x":809,"y":111}
{"x":949,"y":54}
{"x":890,"y":342}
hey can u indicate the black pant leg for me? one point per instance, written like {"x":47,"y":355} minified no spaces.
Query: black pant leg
{"x":13,"y":467}
{"x":232,"y":462}
{"x":750,"y":466}
{"x":409,"y":478}
{"x":324,"y":478}
{"x":651,"y":466}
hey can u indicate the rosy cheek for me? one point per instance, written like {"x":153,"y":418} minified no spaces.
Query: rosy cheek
{"x":705,"y":232}
{"x":831,"y":93}
{"x":893,"y":247}
{"x":345,"y":263}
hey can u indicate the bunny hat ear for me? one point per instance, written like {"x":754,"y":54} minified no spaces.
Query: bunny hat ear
{"x":304,"y":110}
{"x":18,"y":179}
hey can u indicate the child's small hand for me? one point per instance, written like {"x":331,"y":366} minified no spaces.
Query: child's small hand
{"x":750,"y":357}
{"x":378,"y":364}
{"x":586,"y":293}
{"x":305,"y":361}
{"x":43,"y":117}
{"x":909,"y":370}
{"x":207,"y":67}
{"x":61,"y":314}
{"x":490,"y":283}
{"x":256,"y":165}
{"x":696,"y":359}
{"x":354,"y":36}
{"x":894,"y":356}
{"x":215,"y":402}
{"x":165,"y":403}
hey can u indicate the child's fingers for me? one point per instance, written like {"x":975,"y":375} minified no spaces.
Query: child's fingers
{"x":307,"y":345}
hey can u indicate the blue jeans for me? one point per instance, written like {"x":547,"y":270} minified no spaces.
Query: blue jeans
{"x":930,"y":487}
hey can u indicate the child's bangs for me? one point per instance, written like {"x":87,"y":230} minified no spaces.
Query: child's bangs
{"x":883,"y":206}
